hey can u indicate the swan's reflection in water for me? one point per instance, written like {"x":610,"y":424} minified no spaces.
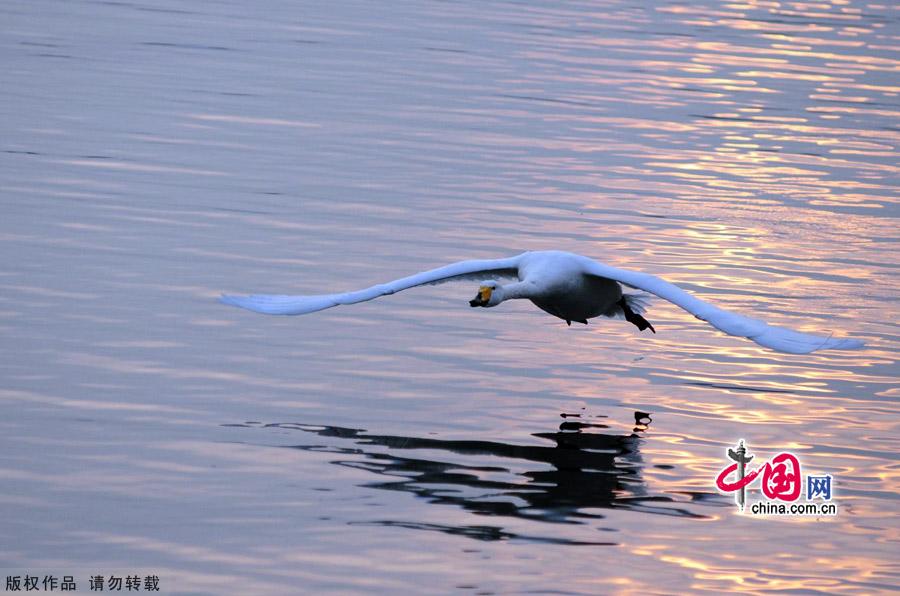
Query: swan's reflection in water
{"x":579,"y":472}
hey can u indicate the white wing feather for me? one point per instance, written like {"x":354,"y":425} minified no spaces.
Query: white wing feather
{"x":770,"y":336}
{"x":299,"y":305}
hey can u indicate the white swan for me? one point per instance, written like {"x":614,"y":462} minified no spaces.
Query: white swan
{"x":566,"y":285}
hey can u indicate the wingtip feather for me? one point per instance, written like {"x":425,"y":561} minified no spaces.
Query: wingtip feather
{"x":272,"y":304}
{"x":795,"y":342}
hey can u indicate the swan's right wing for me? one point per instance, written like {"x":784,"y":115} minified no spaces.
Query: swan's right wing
{"x":770,"y":336}
{"x":298,"y":305}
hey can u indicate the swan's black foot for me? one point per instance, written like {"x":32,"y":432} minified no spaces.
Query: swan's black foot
{"x":634,"y":318}
{"x":582,"y":321}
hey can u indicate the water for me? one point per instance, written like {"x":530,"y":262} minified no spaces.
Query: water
{"x":155,"y":155}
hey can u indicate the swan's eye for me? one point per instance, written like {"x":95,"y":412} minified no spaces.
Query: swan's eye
{"x":485,"y":292}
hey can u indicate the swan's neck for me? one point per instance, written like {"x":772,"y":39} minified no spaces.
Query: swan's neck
{"x":516,"y":290}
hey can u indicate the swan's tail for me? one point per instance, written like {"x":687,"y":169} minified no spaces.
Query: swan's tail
{"x":632,"y":306}
{"x":638,"y":303}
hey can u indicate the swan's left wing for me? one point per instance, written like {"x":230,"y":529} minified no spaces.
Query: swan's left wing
{"x":299,"y":305}
{"x":770,"y":336}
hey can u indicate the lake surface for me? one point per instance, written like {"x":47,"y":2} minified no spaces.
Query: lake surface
{"x":157,"y":154}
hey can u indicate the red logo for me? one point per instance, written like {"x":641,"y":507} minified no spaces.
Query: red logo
{"x":780,"y":478}
{"x":780,"y":481}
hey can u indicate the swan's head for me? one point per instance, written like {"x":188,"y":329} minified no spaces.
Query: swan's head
{"x":489,"y":294}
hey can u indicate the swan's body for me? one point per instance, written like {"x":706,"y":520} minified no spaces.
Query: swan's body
{"x":566,"y":285}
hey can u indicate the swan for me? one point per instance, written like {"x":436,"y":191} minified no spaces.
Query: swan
{"x":566,"y":285}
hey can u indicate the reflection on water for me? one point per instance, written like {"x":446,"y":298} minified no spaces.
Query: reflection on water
{"x":567,"y":482}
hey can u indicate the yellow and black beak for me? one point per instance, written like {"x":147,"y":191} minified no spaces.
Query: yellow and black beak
{"x":482,"y":298}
